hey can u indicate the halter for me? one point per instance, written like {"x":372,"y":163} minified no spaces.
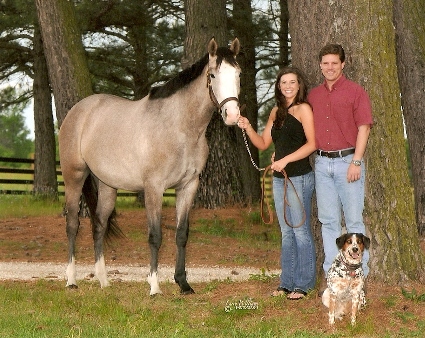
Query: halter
{"x":214,"y":98}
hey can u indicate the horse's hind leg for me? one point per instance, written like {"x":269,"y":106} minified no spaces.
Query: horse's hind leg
{"x":105,"y":206}
{"x":73,"y":190}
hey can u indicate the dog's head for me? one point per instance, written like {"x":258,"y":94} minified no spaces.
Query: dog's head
{"x":352,"y":246}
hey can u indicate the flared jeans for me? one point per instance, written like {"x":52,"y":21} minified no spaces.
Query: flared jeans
{"x":298,"y":255}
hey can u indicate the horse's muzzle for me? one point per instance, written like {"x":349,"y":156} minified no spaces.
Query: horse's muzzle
{"x":230,"y":112}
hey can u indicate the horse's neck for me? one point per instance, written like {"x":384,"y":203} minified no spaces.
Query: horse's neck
{"x":199,"y":106}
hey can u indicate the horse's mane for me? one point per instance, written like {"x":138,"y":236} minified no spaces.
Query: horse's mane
{"x":189,"y":74}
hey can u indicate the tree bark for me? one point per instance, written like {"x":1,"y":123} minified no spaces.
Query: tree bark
{"x":63,"y":48}
{"x":409,"y":19}
{"x":365,"y":30}
{"x":220,"y":182}
{"x":45,"y":181}
{"x":284,"y":50}
{"x":68,"y":71}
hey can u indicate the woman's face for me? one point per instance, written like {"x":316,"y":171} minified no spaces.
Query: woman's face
{"x":289,"y":86}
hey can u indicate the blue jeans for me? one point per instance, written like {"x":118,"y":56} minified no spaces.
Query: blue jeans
{"x":298,"y":256}
{"x":334,"y":196}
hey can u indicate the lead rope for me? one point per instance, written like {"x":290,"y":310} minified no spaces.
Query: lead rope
{"x":264,"y":196}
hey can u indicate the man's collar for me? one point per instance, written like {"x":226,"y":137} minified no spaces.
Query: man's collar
{"x":337,"y":83}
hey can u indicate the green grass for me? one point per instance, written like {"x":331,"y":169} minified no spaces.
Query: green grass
{"x":47,"y":309}
{"x":28,"y":206}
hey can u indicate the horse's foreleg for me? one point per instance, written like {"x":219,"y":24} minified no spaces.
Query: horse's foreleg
{"x":106,"y":203}
{"x":153,"y":206}
{"x":180,"y":278}
{"x":184,"y":200}
{"x":155,"y":241}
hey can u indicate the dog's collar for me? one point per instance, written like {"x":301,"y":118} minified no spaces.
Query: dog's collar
{"x":350,"y":268}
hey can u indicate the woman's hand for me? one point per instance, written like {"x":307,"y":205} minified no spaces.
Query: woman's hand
{"x":243,"y":123}
{"x":279,"y":165}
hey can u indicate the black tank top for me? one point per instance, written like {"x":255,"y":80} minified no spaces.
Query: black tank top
{"x":287,"y":140}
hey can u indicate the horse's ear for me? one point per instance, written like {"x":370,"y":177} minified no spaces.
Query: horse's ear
{"x":235,"y":47}
{"x":212,"y":46}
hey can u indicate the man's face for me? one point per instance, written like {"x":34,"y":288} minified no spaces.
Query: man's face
{"x":331,"y":67}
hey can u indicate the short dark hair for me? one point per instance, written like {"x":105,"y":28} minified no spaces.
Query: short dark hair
{"x":332,"y":48}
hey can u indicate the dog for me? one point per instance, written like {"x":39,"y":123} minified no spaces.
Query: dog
{"x":345,"y":280}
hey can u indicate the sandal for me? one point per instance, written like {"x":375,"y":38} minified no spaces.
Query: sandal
{"x":297,"y":294}
{"x":280,"y":291}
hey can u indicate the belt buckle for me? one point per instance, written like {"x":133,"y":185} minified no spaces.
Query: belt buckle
{"x":334,"y":154}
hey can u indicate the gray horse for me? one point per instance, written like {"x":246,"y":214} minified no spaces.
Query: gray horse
{"x":108,"y":143}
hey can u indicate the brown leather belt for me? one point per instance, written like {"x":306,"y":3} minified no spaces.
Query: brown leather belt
{"x":336,"y":153}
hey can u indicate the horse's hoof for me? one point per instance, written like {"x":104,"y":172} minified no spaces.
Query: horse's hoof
{"x":187,"y":292}
{"x":152,"y":295}
{"x":72,"y":286}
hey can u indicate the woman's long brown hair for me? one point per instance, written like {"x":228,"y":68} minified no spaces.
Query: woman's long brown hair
{"x":301,"y":97}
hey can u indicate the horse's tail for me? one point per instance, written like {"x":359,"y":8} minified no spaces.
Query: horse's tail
{"x":90,"y":196}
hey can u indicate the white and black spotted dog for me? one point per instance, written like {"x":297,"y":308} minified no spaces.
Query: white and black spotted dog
{"x":345,"y":280}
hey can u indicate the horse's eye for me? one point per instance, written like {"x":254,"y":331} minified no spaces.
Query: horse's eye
{"x":213,"y":76}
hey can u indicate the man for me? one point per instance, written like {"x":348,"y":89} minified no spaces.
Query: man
{"x":342,"y":119}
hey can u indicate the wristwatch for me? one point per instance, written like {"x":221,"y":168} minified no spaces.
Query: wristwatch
{"x":357,"y":163}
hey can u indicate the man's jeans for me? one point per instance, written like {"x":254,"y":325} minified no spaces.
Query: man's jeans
{"x":334,"y":195}
{"x":298,"y":256}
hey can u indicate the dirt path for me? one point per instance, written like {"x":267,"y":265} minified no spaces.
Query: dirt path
{"x":33,"y":271}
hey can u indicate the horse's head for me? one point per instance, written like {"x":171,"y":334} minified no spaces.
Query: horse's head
{"x":223,"y":80}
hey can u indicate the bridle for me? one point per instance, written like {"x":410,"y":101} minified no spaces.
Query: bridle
{"x":213,"y":98}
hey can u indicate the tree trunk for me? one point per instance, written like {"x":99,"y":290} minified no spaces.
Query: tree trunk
{"x":243,"y":27}
{"x":63,"y":48}
{"x":220,"y":182}
{"x":409,"y":19}
{"x":45,"y":182}
{"x":284,"y":55}
{"x":365,"y":30}
{"x":65,"y":56}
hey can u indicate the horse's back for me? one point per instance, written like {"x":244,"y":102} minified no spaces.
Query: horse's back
{"x":125,"y":143}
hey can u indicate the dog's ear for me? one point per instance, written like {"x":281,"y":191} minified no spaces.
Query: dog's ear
{"x":366,"y":242}
{"x":340,"y":241}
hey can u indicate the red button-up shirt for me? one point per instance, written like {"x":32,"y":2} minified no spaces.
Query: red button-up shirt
{"x":338,"y":113}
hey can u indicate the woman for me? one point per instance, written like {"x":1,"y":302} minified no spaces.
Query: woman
{"x":291,"y":128}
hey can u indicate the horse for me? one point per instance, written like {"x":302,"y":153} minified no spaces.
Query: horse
{"x":152,"y":144}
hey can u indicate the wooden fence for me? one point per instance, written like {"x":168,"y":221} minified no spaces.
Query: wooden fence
{"x":25,"y":184}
